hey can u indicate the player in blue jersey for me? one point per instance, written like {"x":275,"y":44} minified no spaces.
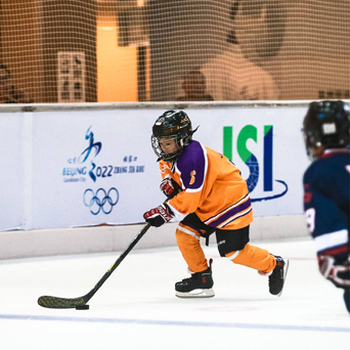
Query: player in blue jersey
{"x":327,"y":189}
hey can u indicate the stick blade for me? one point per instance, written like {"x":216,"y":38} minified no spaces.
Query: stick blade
{"x":60,"y":303}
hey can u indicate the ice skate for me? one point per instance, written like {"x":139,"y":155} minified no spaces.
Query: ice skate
{"x":199,"y":285}
{"x":278,"y":276}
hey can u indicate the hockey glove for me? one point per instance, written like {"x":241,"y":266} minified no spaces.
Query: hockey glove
{"x":337,"y":273}
{"x":158,"y":216}
{"x":170,"y":187}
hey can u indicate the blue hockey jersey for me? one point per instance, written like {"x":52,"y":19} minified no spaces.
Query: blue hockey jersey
{"x":326,"y":202}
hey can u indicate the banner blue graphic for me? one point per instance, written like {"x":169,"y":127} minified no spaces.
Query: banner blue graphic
{"x":252,"y":162}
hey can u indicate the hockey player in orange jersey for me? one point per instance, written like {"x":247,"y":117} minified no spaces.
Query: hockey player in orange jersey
{"x":207,"y":194}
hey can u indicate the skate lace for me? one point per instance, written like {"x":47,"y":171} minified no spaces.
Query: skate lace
{"x":187,"y":280}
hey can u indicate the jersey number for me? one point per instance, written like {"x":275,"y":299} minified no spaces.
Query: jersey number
{"x":310,"y":219}
{"x":193,"y":177}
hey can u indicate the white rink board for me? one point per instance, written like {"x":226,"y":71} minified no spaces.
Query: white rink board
{"x":12,"y":190}
{"x":51,"y":158}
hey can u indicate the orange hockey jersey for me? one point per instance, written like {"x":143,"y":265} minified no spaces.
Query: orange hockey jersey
{"x":213,"y":188}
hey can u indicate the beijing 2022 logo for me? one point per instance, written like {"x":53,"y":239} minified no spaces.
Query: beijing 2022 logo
{"x":251,"y":132}
{"x":84,"y":164}
{"x":101,"y":200}
{"x":85,"y":168}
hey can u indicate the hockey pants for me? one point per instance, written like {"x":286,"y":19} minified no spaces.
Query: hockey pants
{"x":188,"y":240}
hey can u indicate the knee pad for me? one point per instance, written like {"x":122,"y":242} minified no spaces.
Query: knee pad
{"x":229,"y":241}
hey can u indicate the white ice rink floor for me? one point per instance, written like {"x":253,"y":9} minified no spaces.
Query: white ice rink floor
{"x":136,"y":308}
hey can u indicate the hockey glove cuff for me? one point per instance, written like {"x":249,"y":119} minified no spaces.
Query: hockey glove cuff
{"x":158,"y":216}
{"x":170,"y":187}
{"x":337,"y":273}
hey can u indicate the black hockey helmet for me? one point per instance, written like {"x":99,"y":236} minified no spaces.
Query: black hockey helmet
{"x":326,"y":124}
{"x":171,"y":125}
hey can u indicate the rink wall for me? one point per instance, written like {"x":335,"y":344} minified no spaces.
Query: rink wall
{"x":68,"y":169}
{"x":36,"y":243}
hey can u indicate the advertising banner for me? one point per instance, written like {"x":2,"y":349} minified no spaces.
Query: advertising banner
{"x":12,"y":170}
{"x":89,"y":167}
{"x":267,"y":145}
{"x":92,"y":167}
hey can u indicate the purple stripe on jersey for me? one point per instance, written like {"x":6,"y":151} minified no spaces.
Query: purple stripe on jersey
{"x":232,"y":212}
{"x":237,"y":217}
{"x":191,"y":165}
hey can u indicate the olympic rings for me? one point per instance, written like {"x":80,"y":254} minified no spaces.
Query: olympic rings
{"x":101,"y":199}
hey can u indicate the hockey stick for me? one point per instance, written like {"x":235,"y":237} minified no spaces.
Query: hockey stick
{"x":70,"y":303}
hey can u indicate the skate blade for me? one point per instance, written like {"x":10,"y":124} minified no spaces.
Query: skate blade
{"x":285,"y":271}
{"x":196,"y":293}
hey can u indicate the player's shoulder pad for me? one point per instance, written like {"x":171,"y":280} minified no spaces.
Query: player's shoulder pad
{"x":319,"y":169}
{"x":192,"y":161}
{"x":193,"y":155}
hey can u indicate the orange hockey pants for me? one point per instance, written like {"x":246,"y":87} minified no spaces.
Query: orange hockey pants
{"x":188,"y":241}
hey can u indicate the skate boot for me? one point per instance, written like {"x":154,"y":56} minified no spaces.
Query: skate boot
{"x":199,"y":285}
{"x":278,"y":276}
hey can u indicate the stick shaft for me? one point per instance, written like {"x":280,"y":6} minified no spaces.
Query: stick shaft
{"x":68,"y":303}
{"x":119,"y":260}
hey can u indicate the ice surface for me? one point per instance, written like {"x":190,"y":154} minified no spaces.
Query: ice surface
{"x":137,"y":309}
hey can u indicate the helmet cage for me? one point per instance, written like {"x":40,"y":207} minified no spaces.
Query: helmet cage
{"x":168,"y":157}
